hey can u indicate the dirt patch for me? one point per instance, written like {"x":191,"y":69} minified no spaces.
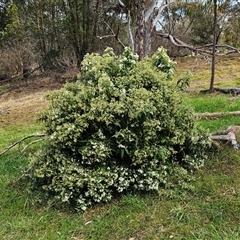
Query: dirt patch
{"x":20,"y":104}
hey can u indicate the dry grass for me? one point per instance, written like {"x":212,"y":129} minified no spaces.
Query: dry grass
{"x":227,"y":70}
{"x":21,"y":105}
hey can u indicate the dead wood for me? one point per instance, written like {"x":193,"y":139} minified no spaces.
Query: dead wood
{"x":217,"y":114}
{"x":225,"y":90}
{"x":115,"y":35}
{"x":199,"y":49}
{"x":23,"y":139}
{"x":228,"y":90}
{"x":229,"y":135}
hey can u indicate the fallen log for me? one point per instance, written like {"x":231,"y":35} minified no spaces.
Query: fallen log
{"x":217,"y":114}
{"x":228,"y":90}
{"x":225,"y":90}
{"x":228,"y":135}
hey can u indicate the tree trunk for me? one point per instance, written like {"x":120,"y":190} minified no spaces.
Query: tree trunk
{"x":140,"y":34}
{"x":211,"y":89}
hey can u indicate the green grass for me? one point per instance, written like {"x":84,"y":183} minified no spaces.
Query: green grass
{"x":209,"y":103}
{"x":11,"y":134}
{"x":212,"y":103}
{"x":210,"y":210}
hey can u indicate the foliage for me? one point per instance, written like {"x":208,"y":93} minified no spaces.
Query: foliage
{"x":184,"y":81}
{"x":14,"y":29}
{"x":121,"y":128}
{"x":163,"y":62}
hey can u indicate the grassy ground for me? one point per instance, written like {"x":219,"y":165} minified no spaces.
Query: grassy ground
{"x":208,"y":210}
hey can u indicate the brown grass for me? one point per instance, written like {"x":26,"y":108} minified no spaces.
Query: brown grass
{"x":21,"y":104}
{"x":227,"y":71}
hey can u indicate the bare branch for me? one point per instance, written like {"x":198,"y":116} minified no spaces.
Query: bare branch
{"x":31,"y":143}
{"x":121,"y":4}
{"x":230,"y":137}
{"x":21,"y":140}
{"x":150,"y":10}
{"x":115,"y":35}
{"x":199,"y":49}
{"x":130,"y":35}
{"x":160,"y":10}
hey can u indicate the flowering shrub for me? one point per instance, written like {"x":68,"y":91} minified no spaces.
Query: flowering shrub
{"x":121,"y":127}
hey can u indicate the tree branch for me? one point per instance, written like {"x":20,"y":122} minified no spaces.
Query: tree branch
{"x":198,"y":49}
{"x":115,"y":35}
{"x":23,"y":139}
{"x":228,"y":135}
{"x":130,"y":35}
{"x":31,"y":143}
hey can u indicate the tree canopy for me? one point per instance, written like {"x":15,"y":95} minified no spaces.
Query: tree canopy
{"x":58,"y":33}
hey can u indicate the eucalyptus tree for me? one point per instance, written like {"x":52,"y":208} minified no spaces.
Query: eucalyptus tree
{"x":205,"y":28}
{"x":141,"y":19}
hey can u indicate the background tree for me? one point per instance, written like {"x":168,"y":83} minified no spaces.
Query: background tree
{"x":4,"y":18}
{"x":58,"y":33}
{"x":204,"y":28}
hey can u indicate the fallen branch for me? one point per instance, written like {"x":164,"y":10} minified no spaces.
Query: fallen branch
{"x":229,"y":135}
{"x":23,"y":139}
{"x":227,"y":90}
{"x":33,"y":142}
{"x":217,"y":114}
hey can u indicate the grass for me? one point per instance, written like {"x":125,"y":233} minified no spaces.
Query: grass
{"x":208,"y":210}
{"x":208,"y":103}
{"x":226,"y":71}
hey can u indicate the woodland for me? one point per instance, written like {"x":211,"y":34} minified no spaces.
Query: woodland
{"x":52,"y":36}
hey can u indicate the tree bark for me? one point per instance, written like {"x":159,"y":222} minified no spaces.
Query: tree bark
{"x":140,"y":33}
{"x":211,"y":88}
